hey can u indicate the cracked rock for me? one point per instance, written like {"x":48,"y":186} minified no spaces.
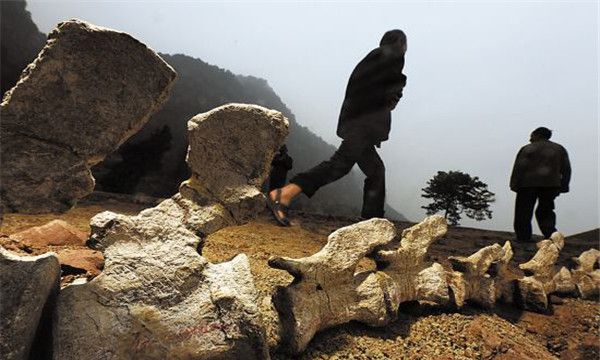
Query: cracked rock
{"x":28,"y":287}
{"x":65,"y":114}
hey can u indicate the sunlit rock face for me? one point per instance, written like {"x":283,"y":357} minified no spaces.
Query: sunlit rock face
{"x":158,"y":297}
{"x":327,"y":291}
{"x":230,"y":153}
{"x":28,"y":287}
{"x":89,"y":89}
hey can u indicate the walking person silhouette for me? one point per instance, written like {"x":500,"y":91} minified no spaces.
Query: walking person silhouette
{"x":374,"y":88}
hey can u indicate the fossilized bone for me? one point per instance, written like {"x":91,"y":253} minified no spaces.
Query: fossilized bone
{"x":158,"y":297}
{"x":586,"y":276}
{"x":327,"y":292}
{"x":534,"y":288}
{"x":482,"y":277}
{"x":405,"y":270}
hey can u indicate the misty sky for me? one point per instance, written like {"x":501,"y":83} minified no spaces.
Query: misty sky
{"x":481,"y":77}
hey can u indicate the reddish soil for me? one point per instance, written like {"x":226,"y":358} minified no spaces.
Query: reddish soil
{"x":423,"y":331}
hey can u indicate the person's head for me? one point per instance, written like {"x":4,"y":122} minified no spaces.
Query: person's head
{"x":541,"y":133}
{"x":394,"y":37}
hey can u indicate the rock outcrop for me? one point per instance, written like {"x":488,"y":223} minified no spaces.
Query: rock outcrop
{"x":28,"y":285}
{"x":89,"y":89}
{"x":157,"y":297}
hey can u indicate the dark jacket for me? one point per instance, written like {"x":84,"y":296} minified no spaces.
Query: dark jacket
{"x":541,"y":164}
{"x":373,"y":90}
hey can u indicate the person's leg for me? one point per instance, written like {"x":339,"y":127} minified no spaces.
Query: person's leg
{"x":326,"y":172}
{"x":544,"y":213}
{"x":524,"y":204}
{"x":331,"y":170}
{"x":374,"y":189}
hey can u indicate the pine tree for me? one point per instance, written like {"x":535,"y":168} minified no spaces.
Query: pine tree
{"x":456,"y":193}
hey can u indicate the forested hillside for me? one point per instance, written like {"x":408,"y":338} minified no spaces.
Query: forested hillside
{"x":152,"y":161}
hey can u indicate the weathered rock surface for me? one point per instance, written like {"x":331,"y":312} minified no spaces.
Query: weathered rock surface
{"x":100,"y":86}
{"x":230,"y":153}
{"x":157,"y":297}
{"x":54,"y":233}
{"x":27,"y":285}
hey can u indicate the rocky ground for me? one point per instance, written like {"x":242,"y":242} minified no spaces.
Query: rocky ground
{"x":423,"y":331}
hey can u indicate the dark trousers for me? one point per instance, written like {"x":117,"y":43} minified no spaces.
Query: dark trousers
{"x":544,"y":213}
{"x":354,"y":150}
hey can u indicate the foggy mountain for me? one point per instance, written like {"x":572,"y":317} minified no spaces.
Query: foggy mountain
{"x":152,"y":162}
{"x":20,"y":40}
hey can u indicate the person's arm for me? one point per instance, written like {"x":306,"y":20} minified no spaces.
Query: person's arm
{"x":394,"y":95}
{"x":516,"y":173}
{"x":565,"y":172}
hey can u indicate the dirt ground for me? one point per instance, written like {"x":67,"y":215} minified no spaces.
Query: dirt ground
{"x":423,"y":331}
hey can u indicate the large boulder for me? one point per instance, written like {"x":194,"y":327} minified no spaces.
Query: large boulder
{"x":28,"y":287}
{"x":89,"y":89}
{"x":230,"y":153}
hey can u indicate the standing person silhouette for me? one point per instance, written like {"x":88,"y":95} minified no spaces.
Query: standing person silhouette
{"x":374,"y":88}
{"x":281,"y":164}
{"x":541,"y":172}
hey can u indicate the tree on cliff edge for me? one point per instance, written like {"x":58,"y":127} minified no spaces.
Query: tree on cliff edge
{"x":455,"y":193}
